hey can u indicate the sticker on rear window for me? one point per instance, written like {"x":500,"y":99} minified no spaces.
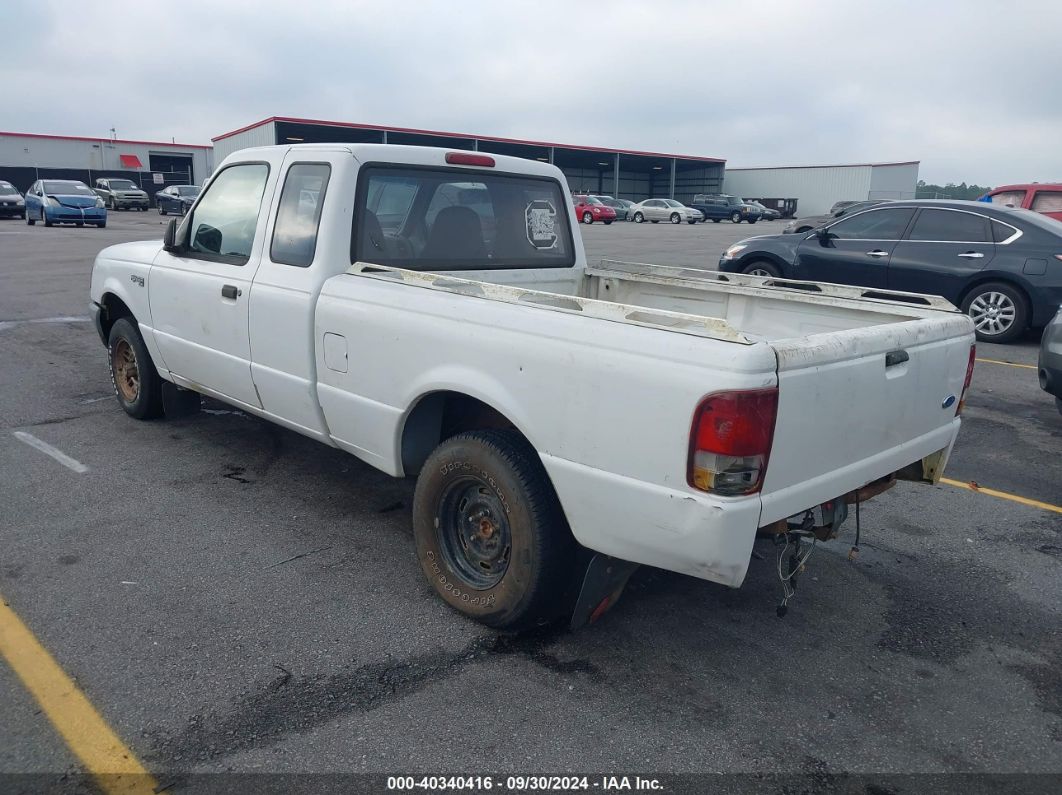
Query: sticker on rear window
{"x":541,"y":219}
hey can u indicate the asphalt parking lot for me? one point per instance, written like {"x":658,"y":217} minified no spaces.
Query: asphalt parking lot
{"x":231,"y":596}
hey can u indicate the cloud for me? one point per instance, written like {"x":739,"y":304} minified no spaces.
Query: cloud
{"x":966,"y":86}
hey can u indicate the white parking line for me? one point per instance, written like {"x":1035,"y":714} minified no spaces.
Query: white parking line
{"x":47,"y":449}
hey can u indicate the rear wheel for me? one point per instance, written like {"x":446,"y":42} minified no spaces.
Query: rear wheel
{"x":762,"y":268}
{"x":735,"y":217}
{"x":676,"y":218}
{"x":490,"y":534}
{"x":999,"y":312}
{"x":136,"y":382}
{"x":588,"y":217}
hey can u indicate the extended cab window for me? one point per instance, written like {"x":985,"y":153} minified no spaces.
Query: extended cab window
{"x":873,"y":225}
{"x":426,"y":218}
{"x":1010,"y":198}
{"x":949,"y":226}
{"x":299,"y":214}
{"x":1047,"y":201}
{"x":225,"y":218}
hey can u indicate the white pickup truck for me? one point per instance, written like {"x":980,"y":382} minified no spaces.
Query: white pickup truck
{"x":432,"y":313}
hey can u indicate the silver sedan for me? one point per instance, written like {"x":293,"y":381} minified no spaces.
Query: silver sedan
{"x":657,"y":210}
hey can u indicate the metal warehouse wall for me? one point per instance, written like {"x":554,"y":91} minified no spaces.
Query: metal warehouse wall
{"x":894,"y":181}
{"x":19,"y":153}
{"x":816,"y":187}
{"x":262,"y":135}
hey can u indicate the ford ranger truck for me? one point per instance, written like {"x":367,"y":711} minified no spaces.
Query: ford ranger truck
{"x":432,"y":313}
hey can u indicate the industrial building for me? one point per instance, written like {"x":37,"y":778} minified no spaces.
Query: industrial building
{"x":27,"y":157}
{"x":817,"y":187}
{"x":621,"y":173}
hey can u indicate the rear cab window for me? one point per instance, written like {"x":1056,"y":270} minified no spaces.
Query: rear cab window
{"x":434,"y":218}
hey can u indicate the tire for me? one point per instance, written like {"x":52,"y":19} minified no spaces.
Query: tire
{"x":588,"y":218}
{"x":79,"y":224}
{"x":716,"y":220}
{"x":44,"y":218}
{"x":654,"y":222}
{"x":30,"y":221}
{"x":676,"y":218}
{"x":762,"y":268}
{"x":161,"y":211}
{"x":735,"y":217}
{"x":639,"y":218}
{"x":606,"y":223}
{"x":135,"y":380}
{"x":112,"y":205}
{"x":102,"y":225}
{"x":752,"y":220}
{"x":516,"y":568}
{"x":691,"y":223}
{"x":22,"y":215}
{"x":999,"y":311}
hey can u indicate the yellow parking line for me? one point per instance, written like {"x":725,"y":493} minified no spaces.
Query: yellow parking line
{"x":1010,"y":364}
{"x":1002,"y":495}
{"x":84,"y":730}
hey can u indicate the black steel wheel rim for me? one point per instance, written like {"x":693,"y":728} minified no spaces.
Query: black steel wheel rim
{"x":474,"y":535}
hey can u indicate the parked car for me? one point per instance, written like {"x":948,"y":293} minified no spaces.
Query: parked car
{"x":721,"y":206}
{"x":122,"y":194}
{"x":589,"y":209}
{"x":12,"y":204}
{"x":657,"y":210}
{"x":1043,"y":198}
{"x":63,"y":201}
{"x":1002,"y":266}
{"x":564,"y":424}
{"x":1049,"y":365}
{"x":621,"y":206}
{"x":766,"y":213}
{"x":176,"y":198}
{"x":806,"y":224}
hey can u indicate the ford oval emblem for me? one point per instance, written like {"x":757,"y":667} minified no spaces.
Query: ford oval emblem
{"x":948,"y":402}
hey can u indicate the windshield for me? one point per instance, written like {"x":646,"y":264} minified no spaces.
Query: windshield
{"x":189,"y":190}
{"x":68,"y":188}
{"x":594,"y":200}
{"x":8,"y":190}
{"x":122,"y":184}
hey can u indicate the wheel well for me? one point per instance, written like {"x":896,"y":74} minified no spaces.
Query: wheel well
{"x":113,"y":310}
{"x":440,"y":415}
{"x":1002,"y":280}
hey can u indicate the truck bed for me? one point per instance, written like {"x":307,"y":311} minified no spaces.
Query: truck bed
{"x":729,"y":307}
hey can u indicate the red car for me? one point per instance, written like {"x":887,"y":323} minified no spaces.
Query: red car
{"x":589,"y":209}
{"x":1040,"y":197}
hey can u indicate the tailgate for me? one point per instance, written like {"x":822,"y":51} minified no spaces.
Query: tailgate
{"x":845,"y":417}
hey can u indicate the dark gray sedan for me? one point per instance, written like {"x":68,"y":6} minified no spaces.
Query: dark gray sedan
{"x":1050,"y":365}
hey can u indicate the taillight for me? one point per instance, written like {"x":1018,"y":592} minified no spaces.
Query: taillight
{"x":468,"y":159}
{"x":730,"y":441}
{"x":969,"y":378}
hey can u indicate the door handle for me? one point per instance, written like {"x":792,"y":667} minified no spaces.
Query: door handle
{"x":893,"y":358}
{"x":972,"y":255}
{"x":877,"y":253}
{"x":229,"y":291}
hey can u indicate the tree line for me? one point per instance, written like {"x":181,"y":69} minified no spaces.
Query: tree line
{"x":926,"y":190}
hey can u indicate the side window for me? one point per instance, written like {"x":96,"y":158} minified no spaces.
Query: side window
{"x":299,"y":214}
{"x":873,"y":225}
{"x":949,"y":226}
{"x":225,"y":219}
{"x":1010,"y":198}
{"x":1001,"y":232}
{"x":1047,"y":201}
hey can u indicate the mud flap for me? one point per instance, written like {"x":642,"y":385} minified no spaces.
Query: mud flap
{"x":177,"y":402}
{"x":605,"y":579}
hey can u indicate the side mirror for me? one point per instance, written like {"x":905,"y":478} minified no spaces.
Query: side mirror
{"x":823,"y":234}
{"x":169,"y":241}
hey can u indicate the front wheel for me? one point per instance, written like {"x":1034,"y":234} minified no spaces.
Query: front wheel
{"x":588,"y":218}
{"x":135,"y":380}
{"x":999,"y":312}
{"x":735,"y":218}
{"x":490,"y":534}
{"x":606,"y":223}
{"x":44,"y":218}
{"x":638,"y":218}
{"x":762,"y":268}
{"x":676,"y":218}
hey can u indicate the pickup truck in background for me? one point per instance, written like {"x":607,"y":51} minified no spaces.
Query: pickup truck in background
{"x":432,"y":313}
{"x":723,"y":206}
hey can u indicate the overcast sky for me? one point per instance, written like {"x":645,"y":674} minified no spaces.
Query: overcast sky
{"x":972,"y":88}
